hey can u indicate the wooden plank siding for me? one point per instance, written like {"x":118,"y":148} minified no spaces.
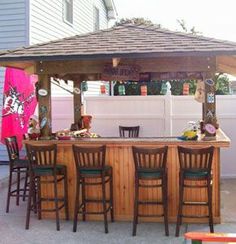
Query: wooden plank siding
{"x":119,"y":156}
{"x":47,"y":19}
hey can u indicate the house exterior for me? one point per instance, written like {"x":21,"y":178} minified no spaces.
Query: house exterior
{"x":29,"y":22}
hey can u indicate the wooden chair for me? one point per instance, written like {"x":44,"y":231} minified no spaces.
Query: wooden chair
{"x":18,"y":167}
{"x":199,"y":237}
{"x":195,"y":166}
{"x":150,"y":164}
{"x":92,"y":171}
{"x":129,"y":131}
{"x":43,"y":169}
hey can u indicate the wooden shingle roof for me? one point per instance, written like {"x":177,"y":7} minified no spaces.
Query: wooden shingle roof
{"x":124,"y":41}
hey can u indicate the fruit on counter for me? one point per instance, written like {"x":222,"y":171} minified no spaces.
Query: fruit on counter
{"x":190,"y":134}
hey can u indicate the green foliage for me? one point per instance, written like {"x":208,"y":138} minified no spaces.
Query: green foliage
{"x":222,"y":84}
{"x":154,"y":87}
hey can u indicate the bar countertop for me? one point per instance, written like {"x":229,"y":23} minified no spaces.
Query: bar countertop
{"x":221,"y":140}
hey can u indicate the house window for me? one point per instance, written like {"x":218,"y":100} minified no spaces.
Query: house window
{"x":68,"y":11}
{"x":96,"y":19}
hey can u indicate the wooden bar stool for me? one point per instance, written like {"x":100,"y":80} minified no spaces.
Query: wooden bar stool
{"x":90,"y":165}
{"x":150,"y":164}
{"x":195,"y":167}
{"x":16,"y":166}
{"x":129,"y":131}
{"x":43,"y":169}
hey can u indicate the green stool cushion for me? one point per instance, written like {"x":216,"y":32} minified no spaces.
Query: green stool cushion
{"x":196,"y":174}
{"x":94,"y":171}
{"x":47,"y":170}
{"x":148,"y":174}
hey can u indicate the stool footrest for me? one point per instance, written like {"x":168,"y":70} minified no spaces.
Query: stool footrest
{"x":195,"y":203}
{"x":153,"y":215}
{"x":150,"y":202}
{"x":100,"y":212}
{"x":195,"y":216}
{"x":95,"y":200}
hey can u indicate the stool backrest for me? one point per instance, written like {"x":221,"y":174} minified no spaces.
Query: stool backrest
{"x":12,"y":148}
{"x":89,"y":157}
{"x":42,"y":155}
{"x":196,"y":159}
{"x":129,"y":131}
{"x":150,"y":158}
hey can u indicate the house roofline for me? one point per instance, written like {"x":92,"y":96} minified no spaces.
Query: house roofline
{"x":111,"y":8}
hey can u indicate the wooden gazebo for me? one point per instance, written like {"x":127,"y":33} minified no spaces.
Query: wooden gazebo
{"x":159,"y":52}
{"x":126,"y":52}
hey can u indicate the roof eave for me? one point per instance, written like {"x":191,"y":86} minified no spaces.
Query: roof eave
{"x":117,"y":55}
{"x":111,"y":9}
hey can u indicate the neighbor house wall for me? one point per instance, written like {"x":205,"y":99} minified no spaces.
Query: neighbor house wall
{"x":13,"y":34}
{"x":47,"y":23}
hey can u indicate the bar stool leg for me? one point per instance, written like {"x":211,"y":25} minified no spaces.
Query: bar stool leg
{"x":104,"y":202}
{"x":136,"y":197}
{"x":56,"y":202}
{"x":179,"y":216}
{"x":76,"y":210}
{"x":111,"y":197}
{"x":18,"y":187}
{"x":9,"y":191}
{"x":25,"y":185}
{"x":165,"y":203}
{"x":38,"y":201}
{"x":66,"y":197}
{"x":31,"y":192}
{"x":83,"y":199}
{"x":209,"y":191}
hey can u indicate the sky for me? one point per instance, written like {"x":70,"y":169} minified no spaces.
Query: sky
{"x":213,"y":18}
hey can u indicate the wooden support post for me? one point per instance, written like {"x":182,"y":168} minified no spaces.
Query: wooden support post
{"x":210,"y":109}
{"x":77,"y":103}
{"x":44,"y":106}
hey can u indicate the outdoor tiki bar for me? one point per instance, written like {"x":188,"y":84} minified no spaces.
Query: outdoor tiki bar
{"x":130,"y":52}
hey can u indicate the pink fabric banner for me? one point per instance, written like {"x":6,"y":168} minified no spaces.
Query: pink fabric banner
{"x":19,"y":102}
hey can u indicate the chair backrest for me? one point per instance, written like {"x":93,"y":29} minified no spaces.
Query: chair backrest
{"x":195,"y":159}
{"x":12,"y":148}
{"x":42,"y":155}
{"x":129,"y":131}
{"x":89,"y":157}
{"x":150,"y":158}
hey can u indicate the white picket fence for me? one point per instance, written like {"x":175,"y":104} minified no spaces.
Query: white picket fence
{"x":156,"y":115}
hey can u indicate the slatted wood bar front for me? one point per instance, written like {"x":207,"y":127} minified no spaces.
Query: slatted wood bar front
{"x":119,"y":156}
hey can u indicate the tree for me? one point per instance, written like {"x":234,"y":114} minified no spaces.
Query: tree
{"x":139,"y":20}
{"x":183,"y":25}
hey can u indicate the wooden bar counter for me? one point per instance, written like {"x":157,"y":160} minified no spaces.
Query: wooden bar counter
{"x":119,"y":156}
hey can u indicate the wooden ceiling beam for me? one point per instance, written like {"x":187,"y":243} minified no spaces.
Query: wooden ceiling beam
{"x":226,"y":64}
{"x":180,"y":64}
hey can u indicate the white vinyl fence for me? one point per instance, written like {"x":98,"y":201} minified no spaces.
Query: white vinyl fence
{"x":156,"y":115}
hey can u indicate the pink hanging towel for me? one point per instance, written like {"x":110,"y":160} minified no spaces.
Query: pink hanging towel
{"x":19,"y":103}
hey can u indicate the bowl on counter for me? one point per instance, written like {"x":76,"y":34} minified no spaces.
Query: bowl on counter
{"x":66,"y":137}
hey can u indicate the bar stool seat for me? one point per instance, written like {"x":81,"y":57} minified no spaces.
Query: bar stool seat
{"x":43,"y":169}
{"x":87,"y":172}
{"x":18,"y":167}
{"x":150,"y":164}
{"x":195,"y":167}
{"x":146,"y":174}
{"x":129,"y":131}
{"x":92,"y":171}
{"x":48,"y":170}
